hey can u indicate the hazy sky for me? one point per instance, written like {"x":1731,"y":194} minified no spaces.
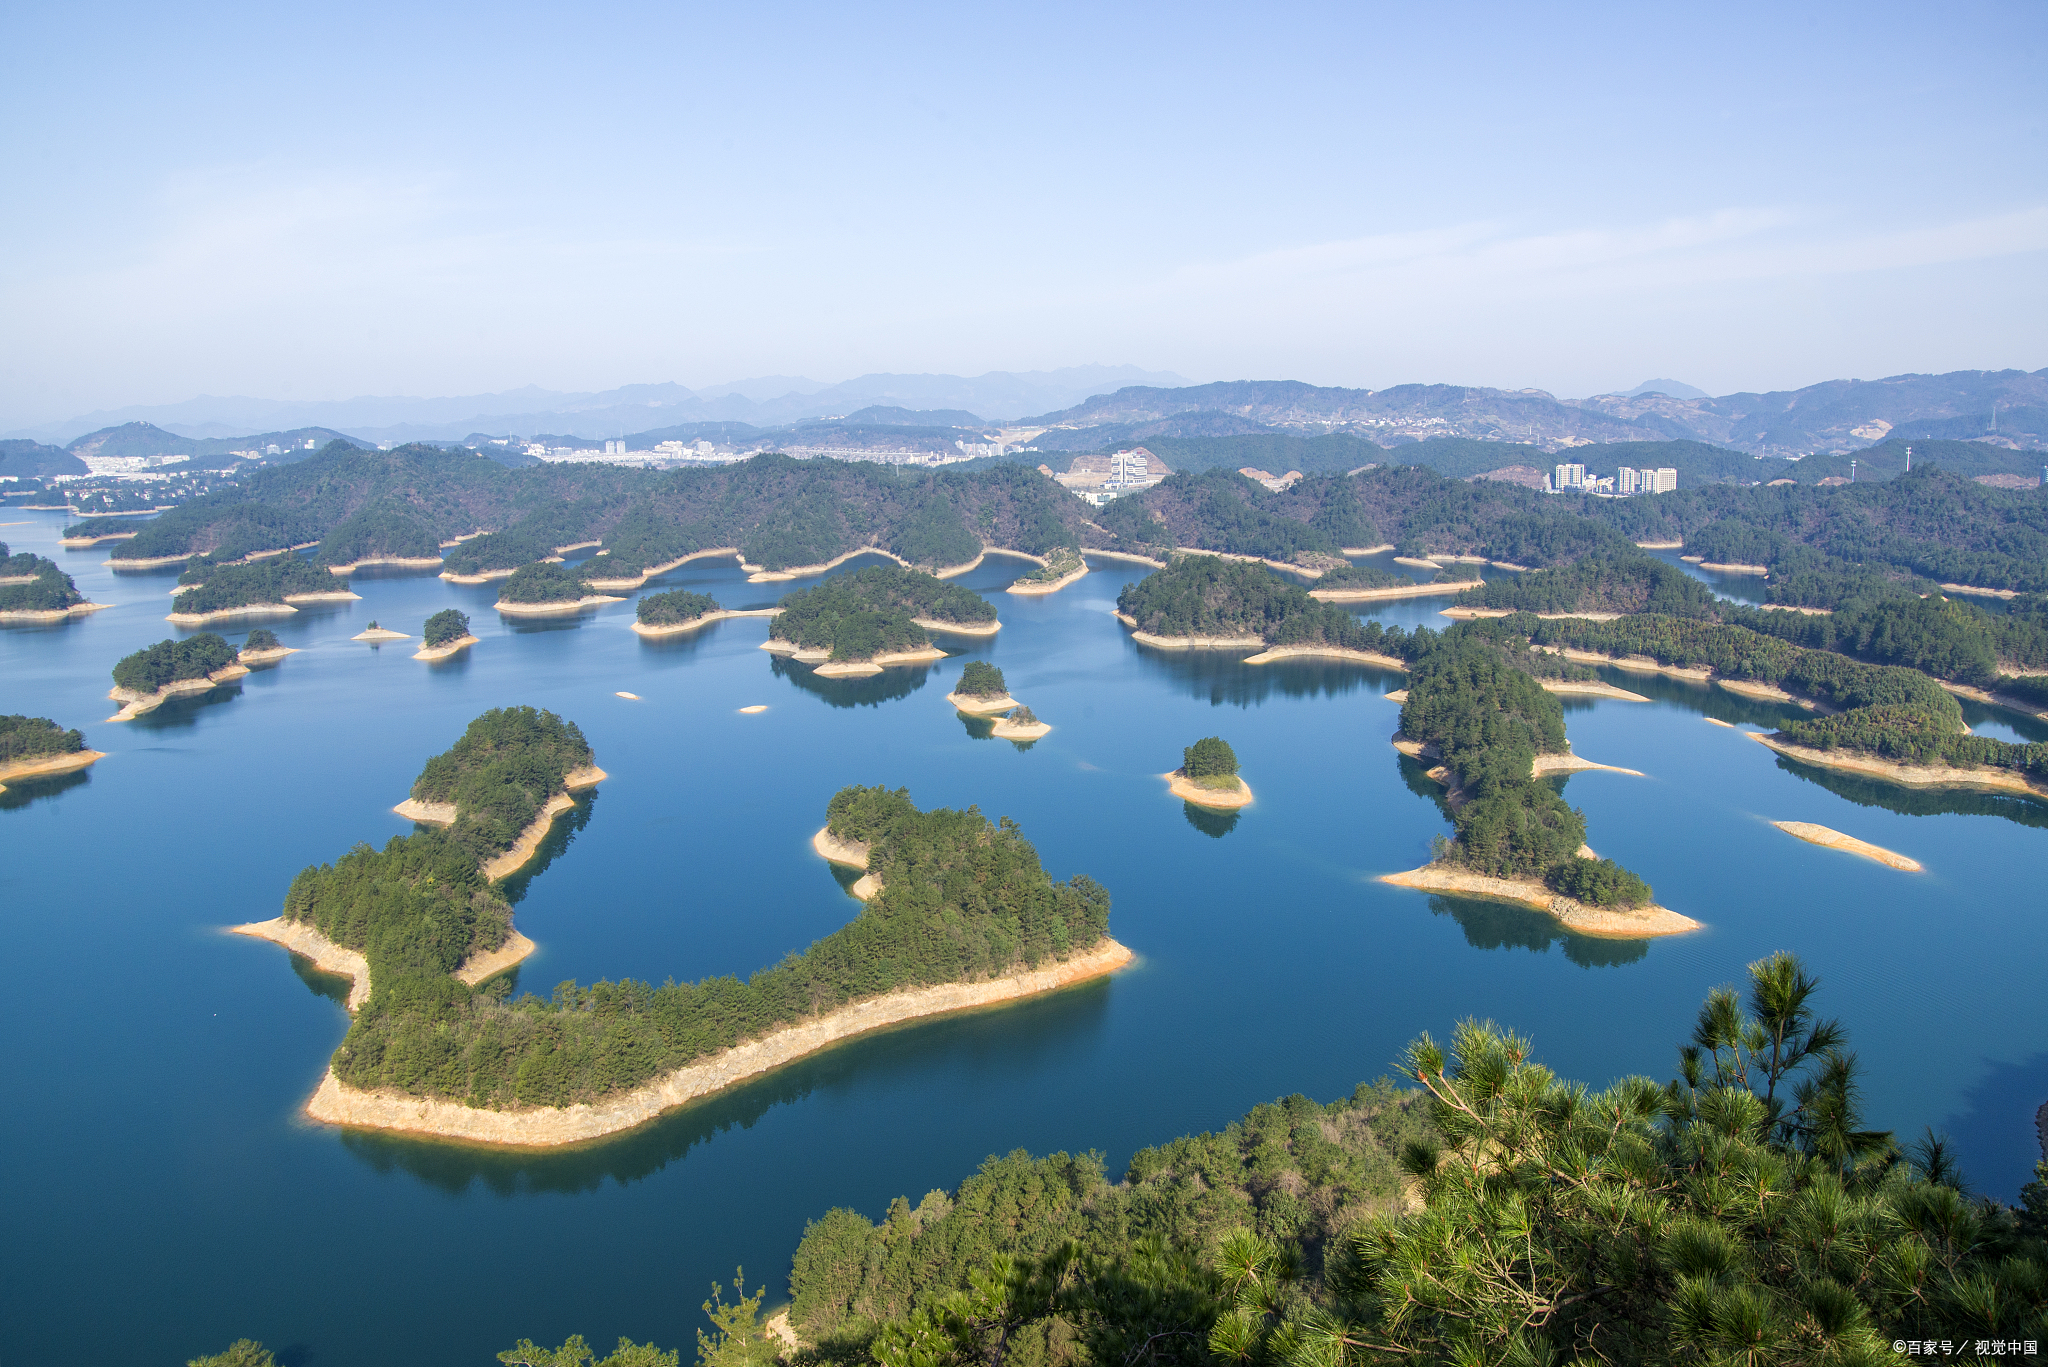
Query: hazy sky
{"x":312,"y":201}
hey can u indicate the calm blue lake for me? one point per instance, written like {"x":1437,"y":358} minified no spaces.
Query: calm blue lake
{"x":165,"y":1196}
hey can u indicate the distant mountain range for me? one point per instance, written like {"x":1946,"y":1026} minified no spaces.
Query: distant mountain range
{"x":768,"y":401}
{"x":2005,"y":407}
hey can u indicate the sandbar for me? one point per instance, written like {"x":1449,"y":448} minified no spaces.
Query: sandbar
{"x":1416,"y":563}
{"x":326,"y":955}
{"x":1398,"y":695}
{"x":1735,"y":569}
{"x":1190,"y":642}
{"x":433,"y":813}
{"x":757,"y":707}
{"x":543,"y":1127}
{"x":634,"y":581}
{"x":1787,"y":607}
{"x":1571,"y":764}
{"x":1637,"y":923}
{"x":1394,"y":591}
{"x":442,"y":652}
{"x":760,"y":574}
{"x":1678,"y":545}
{"x":1005,"y":729}
{"x":264,"y":657}
{"x":1125,"y":556}
{"x":959,"y":628}
{"x":466,"y":536}
{"x":1716,"y":721}
{"x":403,"y":562}
{"x":482,"y":577}
{"x":679,"y":628}
{"x":1465,"y":614}
{"x":48,"y":764}
{"x":1187,"y":790}
{"x":1981,"y":593}
{"x":557,"y":609}
{"x":1912,"y":775}
{"x":1763,"y":692}
{"x":630,"y":697}
{"x":1002,"y":702}
{"x":73,"y":543}
{"x":200,"y":619}
{"x":1635,"y":664}
{"x":852,"y":853}
{"x":576,"y":546}
{"x":1277,"y":653}
{"x":1835,"y":840}
{"x":375,"y":634}
{"x":51,"y":614}
{"x":1591,"y":690}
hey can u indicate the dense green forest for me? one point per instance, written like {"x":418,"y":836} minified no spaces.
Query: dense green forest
{"x":1209,"y":757}
{"x":542,"y":582}
{"x":1493,"y":1213}
{"x":980,"y":679}
{"x":260,"y":638}
{"x":1350,"y":576}
{"x":387,"y":528}
{"x":51,"y":590}
{"x":31,"y":737}
{"x":218,"y":587}
{"x":1488,"y":720}
{"x":1889,"y":710}
{"x":1620,"y":581}
{"x":169,"y":662}
{"x":962,"y":899}
{"x":449,"y":624}
{"x":873,"y":610}
{"x":674,"y":607}
{"x":1206,"y":595}
{"x":1060,"y":562}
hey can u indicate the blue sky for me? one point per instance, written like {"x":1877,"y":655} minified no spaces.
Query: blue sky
{"x":320,"y":201}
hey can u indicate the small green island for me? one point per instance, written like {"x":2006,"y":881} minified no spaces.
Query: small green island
{"x":958,"y":913}
{"x":543,"y":589}
{"x":35,"y":589}
{"x":981,"y":689}
{"x":32,"y":747}
{"x":445,"y":633}
{"x":1206,"y":602}
{"x":261,"y":646}
{"x":1063,"y":566}
{"x":152,"y":676}
{"x":675,"y":612}
{"x":854,"y":624}
{"x":212,"y":591}
{"x":1208,"y":776}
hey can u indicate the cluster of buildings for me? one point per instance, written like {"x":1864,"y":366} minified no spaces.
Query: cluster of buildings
{"x":664,"y":454}
{"x":1098,"y":479}
{"x":1623,"y":483}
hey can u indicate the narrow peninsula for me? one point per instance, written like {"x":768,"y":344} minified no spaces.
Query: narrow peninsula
{"x":155,"y":674}
{"x":856,"y":624}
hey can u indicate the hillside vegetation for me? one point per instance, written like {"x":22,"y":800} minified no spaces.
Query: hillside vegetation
{"x":48,"y":590}
{"x":874,"y":610}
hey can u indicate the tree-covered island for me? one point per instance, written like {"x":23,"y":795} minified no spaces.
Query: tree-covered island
{"x":33,"y":588}
{"x":1208,"y":775}
{"x":675,"y":609}
{"x":36,"y":745}
{"x":961,"y":900}
{"x":1202,"y":598}
{"x":445,"y":628}
{"x":548,"y":587}
{"x":215,"y":589}
{"x":875,"y":612}
{"x":145,"y":679}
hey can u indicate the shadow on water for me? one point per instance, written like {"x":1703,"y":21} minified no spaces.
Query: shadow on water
{"x":1976,"y":714}
{"x":180,"y":713}
{"x":680,"y":648}
{"x":1896,"y":797}
{"x":1224,"y":679}
{"x":1209,"y":821}
{"x":1997,"y":1142}
{"x":321,"y":983}
{"x":845,"y":877}
{"x":1695,"y":695}
{"x":978,"y":728}
{"x":560,"y":836}
{"x":1028,"y":1034}
{"x":870,"y":691}
{"x":1415,"y":774}
{"x":20,"y":792}
{"x":1496,"y":925}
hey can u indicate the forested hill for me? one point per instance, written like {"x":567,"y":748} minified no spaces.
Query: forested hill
{"x":779,"y":511}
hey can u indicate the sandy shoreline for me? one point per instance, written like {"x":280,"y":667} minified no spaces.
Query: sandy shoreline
{"x":989,"y":628}
{"x":1994,"y":699}
{"x":264,"y":657}
{"x":852,"y":853}
{"x":1465,"y":614}
{"x":679,"y":628}
{"x":79,"y":543}
{"x":462,"y":642}
{"x":1041,"y":587}
{"x":1763,"y":692}
{"x":557,"y":609}
{"x":51,"y":614}
{"x":1911,"y":775}
{"x":376,"y":634}
{"x":200,"y":619}
{"x":1581,"y":688}
{"x":849,"y":669}
{"x":401,"y":562}
{"x":1187,"y":790}
{"x":1395,"y":591}
{"x":523,"y":849}
{"x":135,"y":704}
{"x":1835,"y":840}
{"x":1640,"y":923}
{"x":1277,"y":653}
{"x":634,"y":581}
{"x":1678,"y":545}
{"x":979,"y":706}
{"x":1190,"y":642}
{"x":549,"y":1126}
{"x":1005,"y":729}
{"x":48,"y":764}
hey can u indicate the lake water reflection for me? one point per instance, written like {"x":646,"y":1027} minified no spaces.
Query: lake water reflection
{"x":166,"y":1196}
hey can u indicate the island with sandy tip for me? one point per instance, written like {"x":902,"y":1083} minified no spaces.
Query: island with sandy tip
{"x":679,"y":611}
{"x":152,"y":676}
{"x":516,"y":1093}
{"x":1055,"y":571}
{"x":36,"y":747}
{"x":857,"y":624}
{"x":1625,"y":923}
{"x":261,"y":647}
{"x":444,"y":634}
{"x":1835,"y":840}
{"x":1210,"y":602}
{"x":1208,"y":776}
{"x":981,"y":689}
{"x":1910,"y":775}
{"x":1021,"y":724}
{"x":375,"y":634}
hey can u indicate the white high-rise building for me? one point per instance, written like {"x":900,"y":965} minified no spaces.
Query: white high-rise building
{"x":1667,"y":480}
{"x":1570,"y":477}
{"x":1628,"y":481}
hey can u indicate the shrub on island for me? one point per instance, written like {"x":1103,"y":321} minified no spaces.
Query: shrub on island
{"x":1020,"y":715}
{"x":541,"y":582}
{"x":51,"y":590}
{"x":260,"y":638}
{"x":447,"y":625}
{"x":1060,"y":562}
{"x":168,"y":662}
{"x":871,"y":611}
{"x":1210,"y":758}
{"x":674,"y":608}
{"x":962,"y":899}
{"x":980,"y":679}
{"x":30,"y":737}
{"x":221,"y":588}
